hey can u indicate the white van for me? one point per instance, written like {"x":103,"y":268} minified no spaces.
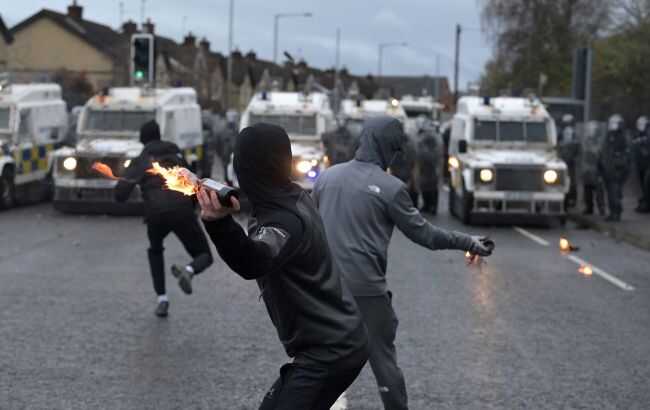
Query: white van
{"x":502,"y":160}
{"x":108,"y":131}
{"x":33,"y":123}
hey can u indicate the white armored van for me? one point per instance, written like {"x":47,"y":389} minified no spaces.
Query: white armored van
{"x":108,"y":131}
{"x":502,"y":160}
{"x":33,"y":123}
{"x":305,"y":117}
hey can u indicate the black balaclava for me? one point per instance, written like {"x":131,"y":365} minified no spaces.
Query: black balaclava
{"x":149,"y":132}
{"x":262,"y":162}
{"x":381,"y":140}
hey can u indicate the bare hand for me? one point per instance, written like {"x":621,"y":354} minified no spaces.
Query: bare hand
{"x":211,"y":208}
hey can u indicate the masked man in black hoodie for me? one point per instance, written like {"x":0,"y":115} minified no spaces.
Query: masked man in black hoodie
{"x":287,"y":253}
{"x":165,"y":211}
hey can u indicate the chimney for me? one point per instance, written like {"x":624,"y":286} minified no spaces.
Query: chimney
{"x":149,"y":27}
{"x":129,"y":28}
{"x":251,"y":56}
{"x":205,"y":45}
{"x":236,"y":54}
{"x":189,"y":40}
{"x":75,"y":11}
{"x":302,"y":64}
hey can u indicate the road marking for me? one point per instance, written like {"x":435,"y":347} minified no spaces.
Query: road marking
{"x":531,"y":236}
{"x":608,"y":277}
{"x":341,"y":403}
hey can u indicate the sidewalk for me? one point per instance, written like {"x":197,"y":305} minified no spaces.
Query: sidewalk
{"x":633,"y":229}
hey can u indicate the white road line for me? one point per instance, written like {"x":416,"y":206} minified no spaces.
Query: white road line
{"x":341,"y":403}
{"x":608,"y":277}
{"x":532,"y":237}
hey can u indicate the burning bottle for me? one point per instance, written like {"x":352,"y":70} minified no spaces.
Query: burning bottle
{"x":183,"y":180}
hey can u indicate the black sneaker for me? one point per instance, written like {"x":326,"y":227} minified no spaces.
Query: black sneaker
{"x":162,"y":309}
{"x":184,"y":278}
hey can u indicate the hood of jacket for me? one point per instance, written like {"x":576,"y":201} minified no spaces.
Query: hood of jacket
{"x":149,"y":132}
{"x":382,"y":140}
{"x":262,"y":162}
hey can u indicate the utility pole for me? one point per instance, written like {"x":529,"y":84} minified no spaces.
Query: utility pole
{"x":142,"y":9}
{"x":229,"y":67}
{"x":337,"y":65}
{"x":121,"y":14}
{"x":457,"y":63}
{"x":380,"y":56}
{"x":588,"y":77}
{"x":437,"y":80}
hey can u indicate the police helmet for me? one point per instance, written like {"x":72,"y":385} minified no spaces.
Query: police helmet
{"x":642,"y":123}
{"x":615,"y":123}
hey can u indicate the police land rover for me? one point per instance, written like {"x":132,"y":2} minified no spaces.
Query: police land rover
{"x":108,"y":132}
{"x":33,"y":122}
{"x":502,"y":160}
{"x":305,"y":116}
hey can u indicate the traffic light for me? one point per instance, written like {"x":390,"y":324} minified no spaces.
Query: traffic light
{"x":142,"y":59}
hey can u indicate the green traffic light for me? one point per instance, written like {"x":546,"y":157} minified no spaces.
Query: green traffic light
{"x":139,"y":74}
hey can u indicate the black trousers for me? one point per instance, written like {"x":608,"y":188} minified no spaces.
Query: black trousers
{"x":614,"y":189}
{"x":594,"y":192}
{"x":430,"y":201}
{"x":185,"y":226}
{"x":313,"y":386}
{"x":381,"y":322}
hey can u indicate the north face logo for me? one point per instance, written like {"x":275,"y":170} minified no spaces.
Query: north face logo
{"x":375,"y":189}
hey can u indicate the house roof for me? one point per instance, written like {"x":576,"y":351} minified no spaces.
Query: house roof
{"x":5,"y":33}
{"x":101,"y":37}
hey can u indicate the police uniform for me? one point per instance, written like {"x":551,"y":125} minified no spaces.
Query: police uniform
{"x":614,"y":166}
{"x":427,"y":170}
{"x":593,"y":187}
{"x":641,"y":146}
{"x":568,"y":149}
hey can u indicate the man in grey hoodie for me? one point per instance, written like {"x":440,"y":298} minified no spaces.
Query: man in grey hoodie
{"x":360,"y":204}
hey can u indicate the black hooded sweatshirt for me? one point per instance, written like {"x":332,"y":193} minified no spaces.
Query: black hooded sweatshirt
{"x":287,"y":253}
{"x":157,"y":199}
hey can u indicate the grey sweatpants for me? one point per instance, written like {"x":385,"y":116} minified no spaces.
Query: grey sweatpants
{"x":381,"y":322}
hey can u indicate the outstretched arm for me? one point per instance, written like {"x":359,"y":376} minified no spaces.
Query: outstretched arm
{"x":409,"y":220}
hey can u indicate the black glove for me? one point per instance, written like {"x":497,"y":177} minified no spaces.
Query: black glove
{"x":481,"y":246}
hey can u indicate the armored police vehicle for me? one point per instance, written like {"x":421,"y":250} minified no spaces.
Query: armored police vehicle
{"x":33,"y":122}
{"x":502,"y":160}
{"x":419,"y":107}
{"x":108,"y":132}
{"x":305,"y":116}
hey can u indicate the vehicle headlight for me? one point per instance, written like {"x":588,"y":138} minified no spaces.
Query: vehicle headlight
{"x":453,"y":162}
{"x":70,"y":163}
{"x":486,"y":175}
{"x":304,"y":166}
{"x":127,"y":163}
{"x":551,"y":177}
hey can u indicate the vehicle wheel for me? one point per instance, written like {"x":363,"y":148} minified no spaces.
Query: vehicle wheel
{"x":466,"y":207}
{"x":7,"y":191}
{"x":48,"y":188}
{"x":452,"y":201}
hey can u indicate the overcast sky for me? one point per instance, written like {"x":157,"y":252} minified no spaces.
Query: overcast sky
{"x":426,"y":25}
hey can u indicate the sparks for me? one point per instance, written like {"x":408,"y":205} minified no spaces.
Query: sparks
{"x":103,"y":169}
{"x":176,"y":178}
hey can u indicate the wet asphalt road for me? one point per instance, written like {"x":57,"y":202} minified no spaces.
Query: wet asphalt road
{"x":525,"y":330}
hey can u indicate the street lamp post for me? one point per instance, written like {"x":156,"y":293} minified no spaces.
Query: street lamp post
{"x":276,"y":19}
{"x":380,"y":49}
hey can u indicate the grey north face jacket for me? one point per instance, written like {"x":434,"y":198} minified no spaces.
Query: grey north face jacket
{"x":361,"y":204}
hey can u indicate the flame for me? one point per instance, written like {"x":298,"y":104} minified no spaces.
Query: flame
{"x":468,"y":255}
{"x":176,"y":178}
{"x":586,"y":270}
{"x":565,"y":245}
{"x":103,"y":169}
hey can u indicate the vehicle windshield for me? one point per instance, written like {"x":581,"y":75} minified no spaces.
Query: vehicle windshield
{"x":116,"y":121}
{"x":511,"y":131}
{"x":4,"y":118}
{"x":292,"y":124}
{"x":416,"y":112}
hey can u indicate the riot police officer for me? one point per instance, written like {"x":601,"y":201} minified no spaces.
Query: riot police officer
{"x":641,"y":145}
{"x":341,"y":143}
{"x":568,"y":150}
{"x":614,"y":165}
{"x":427,"y":162}
{"x":593,"y":189}
{"x":403,"y":167}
